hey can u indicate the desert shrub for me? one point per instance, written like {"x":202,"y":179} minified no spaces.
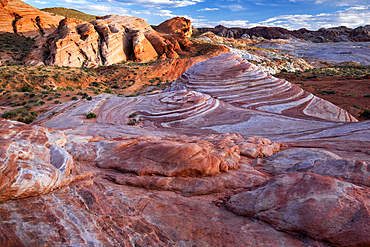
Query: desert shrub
{"x":132,"y":115}
{"x":132,"y":122}
{"x":74,"y":98}
{"x":9,"y":114}
{"x":90,"y":115}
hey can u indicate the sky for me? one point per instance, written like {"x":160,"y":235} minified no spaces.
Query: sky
{"x":290,"y":14}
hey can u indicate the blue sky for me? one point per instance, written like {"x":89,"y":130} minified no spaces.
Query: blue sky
{"x":290,"y":14}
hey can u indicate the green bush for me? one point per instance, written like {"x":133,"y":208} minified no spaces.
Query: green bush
{"x":90,"y":115}
{"x":9,"y":114}
{"x":74,"y":98}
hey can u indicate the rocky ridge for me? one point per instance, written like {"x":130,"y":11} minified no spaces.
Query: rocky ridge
{"x":146,"y":164}
{"x":334,"y":34}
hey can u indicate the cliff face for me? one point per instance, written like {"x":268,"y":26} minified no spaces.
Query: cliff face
{"x":105,"y":41}
{"x":21,"y":18}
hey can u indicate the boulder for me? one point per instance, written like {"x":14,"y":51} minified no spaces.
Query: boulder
{"x":176,"y":26}
{"x":321,"y":207}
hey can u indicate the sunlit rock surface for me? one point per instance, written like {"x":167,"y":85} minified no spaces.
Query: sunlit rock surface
{"x":23,"y":19}
{"x":158,"y":170}
{"x":108,"y":40}
{"x":241,"y":83}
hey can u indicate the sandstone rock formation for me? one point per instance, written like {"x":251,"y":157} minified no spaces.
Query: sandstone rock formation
{"x":105,"y":41}
{"x":179,"y":26}
{"x":178,"y":156}
{"x":31,"y":164}
{"x":243,"y":84}
{"x":19,"y":17}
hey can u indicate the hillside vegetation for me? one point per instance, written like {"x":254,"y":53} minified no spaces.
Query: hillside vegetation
{"x":70,"y":13}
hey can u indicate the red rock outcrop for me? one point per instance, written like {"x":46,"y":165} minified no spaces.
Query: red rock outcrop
{"x":75,"y":44}
{"x":108,"y":40}
{"x":321,"y":207}
{"x":178,"y":25}
{"x":19,"y":17}
{"x":30,"y":163}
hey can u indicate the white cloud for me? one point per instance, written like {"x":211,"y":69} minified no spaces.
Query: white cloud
{"x":161,"y":3}
{"x":234,"y":7}
{"x":334,"y":2}
{"x":351,"y":17}
{"x":41,"y":2}
{"x":208,"y":9}
{"x":164,"y":13}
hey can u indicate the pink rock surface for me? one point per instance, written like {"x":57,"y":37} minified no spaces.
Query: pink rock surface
{"x":231,"y":79}
{"x":30,"y":163}
{"x":321,"y":207}
{"x":191,"y":165}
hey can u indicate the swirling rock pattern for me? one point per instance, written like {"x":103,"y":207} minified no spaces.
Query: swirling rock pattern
{"x":233,"y":80}
{"x":30,"y":163}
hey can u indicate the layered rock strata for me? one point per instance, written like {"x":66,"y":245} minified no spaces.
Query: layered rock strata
{"x":242,"y":84}
{"x":105,"y":41}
